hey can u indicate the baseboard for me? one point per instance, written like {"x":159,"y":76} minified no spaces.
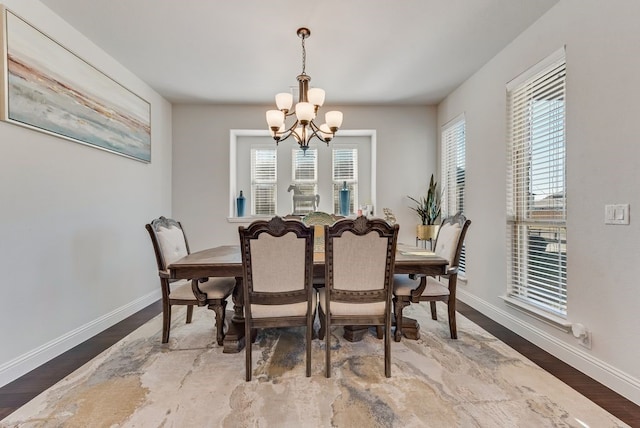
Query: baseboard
{"x":23,"y":364}
{"x":615,"y":379}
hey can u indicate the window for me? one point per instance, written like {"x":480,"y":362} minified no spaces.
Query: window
{"x":536,"y":185}
{"x":264,"y":173}
{"x":345,"y":170}
{"x":453,"y":173}
{"x":304,"y":171}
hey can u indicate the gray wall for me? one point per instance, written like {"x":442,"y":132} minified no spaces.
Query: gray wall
{"x":74,"y":255}
{"x":406,"y":147}
{"x":603,"y":89}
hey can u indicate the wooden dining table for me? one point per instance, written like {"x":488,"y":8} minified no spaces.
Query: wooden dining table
{"x":226,"y":261}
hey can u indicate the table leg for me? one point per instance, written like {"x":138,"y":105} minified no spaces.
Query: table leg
{"x":234,"y":338}
{"x":410,"y":329}
{"x":355,"y":333}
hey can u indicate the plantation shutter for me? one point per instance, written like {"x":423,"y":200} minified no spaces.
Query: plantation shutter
{"x":263,"y":181}
{"x":304,"y":171}
{"x":345,"y":168}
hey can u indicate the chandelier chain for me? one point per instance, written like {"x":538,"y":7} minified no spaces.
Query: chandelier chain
{"x":304,"y":56}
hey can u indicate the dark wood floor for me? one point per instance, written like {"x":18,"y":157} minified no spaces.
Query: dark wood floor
{"x":20,"y":391}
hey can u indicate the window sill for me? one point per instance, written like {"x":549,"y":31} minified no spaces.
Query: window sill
{"x":550,"y":319}
{"x":247,"y":219}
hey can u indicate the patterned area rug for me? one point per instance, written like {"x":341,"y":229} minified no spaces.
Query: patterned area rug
{"x":475,"y":381}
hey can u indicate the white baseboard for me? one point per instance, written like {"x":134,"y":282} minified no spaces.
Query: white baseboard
{"x":23,"y":364}
{"x":617,"y":380}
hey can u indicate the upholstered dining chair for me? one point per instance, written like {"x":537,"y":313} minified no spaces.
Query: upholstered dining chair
{"x":359,"y":261}
{"x":170,"y":244}
{"x":409,"y":289}
{"x":277,"y":259}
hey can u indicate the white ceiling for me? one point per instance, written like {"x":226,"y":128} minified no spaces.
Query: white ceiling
{"x":244,"y":51}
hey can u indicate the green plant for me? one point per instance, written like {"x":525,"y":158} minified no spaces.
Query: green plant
{"x":428,"y":208}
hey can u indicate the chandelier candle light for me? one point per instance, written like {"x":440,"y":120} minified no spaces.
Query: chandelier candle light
{"x":310,"y":100}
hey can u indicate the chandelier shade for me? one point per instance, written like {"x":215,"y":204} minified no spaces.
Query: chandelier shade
{"x":305,"y":111}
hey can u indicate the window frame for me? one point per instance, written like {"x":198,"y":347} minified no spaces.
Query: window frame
{"x":453,"y":154}
{"x":536,"y":277}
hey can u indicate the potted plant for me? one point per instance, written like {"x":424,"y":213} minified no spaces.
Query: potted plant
{"x":428,"y":209}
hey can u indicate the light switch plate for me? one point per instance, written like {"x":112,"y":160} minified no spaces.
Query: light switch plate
{"x":616,"y":214}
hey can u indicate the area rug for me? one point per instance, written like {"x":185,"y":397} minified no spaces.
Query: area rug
{"x":475,"y":381}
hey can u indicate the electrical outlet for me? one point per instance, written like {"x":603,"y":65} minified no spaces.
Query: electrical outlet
{"x":585,"y":340}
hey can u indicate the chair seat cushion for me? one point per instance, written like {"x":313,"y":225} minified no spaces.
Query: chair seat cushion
{"x":403,"y":286}
{"x":341,"y":308}
{"x":214,"y":288}
{"x":290,"y":310}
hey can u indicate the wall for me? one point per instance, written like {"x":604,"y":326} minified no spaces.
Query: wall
{"x":74,"y":255}
{"x":603,"y":88}
{"x":406,"y":147}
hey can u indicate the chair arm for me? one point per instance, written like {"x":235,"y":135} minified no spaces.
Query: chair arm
{"x":415,"y":294}
{"x":164,"y":274}
{"x":200,"y":296}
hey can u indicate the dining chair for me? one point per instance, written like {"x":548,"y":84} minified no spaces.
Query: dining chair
{"x":359,"y":263}
{"x":409,"y":289}
{"x":277,"y":259}
{"x":170,"y":244}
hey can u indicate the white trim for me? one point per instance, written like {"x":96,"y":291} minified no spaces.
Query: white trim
{"x":541,"y":66}
{"x":539,"y":314}
{"x":233,"y":161}
{"x":619,"y":381}
{"x":23,"y":364}
{"x":453,"y":122}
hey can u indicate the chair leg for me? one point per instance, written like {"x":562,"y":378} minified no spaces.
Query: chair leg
{"x":379,"y":332}
{"x":327,"y":346}
{"x":247,"y":349}
{"x":452,"y":321}
{"x":434,"y":316}
{"x":166,"y":321}
{"x":308,"y":343}
{"x":219,"y":307}
{"x":323,"y":324}
{"x":189,"y":313}
{"x":387,"y":349}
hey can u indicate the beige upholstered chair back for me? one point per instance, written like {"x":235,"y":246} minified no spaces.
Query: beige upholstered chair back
{"x":169,"y":241}
{"x":278,"y":263}
{"x":360,"y":256}
{"x":447,"y":240}
{"x":359,"y":261}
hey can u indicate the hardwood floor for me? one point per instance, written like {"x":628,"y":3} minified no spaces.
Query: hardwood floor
{"x":20,"y":391}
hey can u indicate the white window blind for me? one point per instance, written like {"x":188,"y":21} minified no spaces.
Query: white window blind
{"x":453,"y":173}
{"x":345,"y":169}
{"x":536,"y":186}
{"x":264,"y":181}
{"x":304,"y":171}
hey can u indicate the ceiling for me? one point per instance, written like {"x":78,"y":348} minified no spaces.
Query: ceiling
{"x":360,"y":51}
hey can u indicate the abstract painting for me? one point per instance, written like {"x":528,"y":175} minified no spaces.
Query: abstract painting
{"x":48,"y":88}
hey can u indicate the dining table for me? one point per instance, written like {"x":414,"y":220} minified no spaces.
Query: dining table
{"x":226,"y":261}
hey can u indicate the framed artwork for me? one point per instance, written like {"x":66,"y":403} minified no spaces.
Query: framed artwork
{"x":48,"y":88}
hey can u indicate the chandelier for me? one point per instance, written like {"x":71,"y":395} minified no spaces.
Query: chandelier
{"x":310,"y":100}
